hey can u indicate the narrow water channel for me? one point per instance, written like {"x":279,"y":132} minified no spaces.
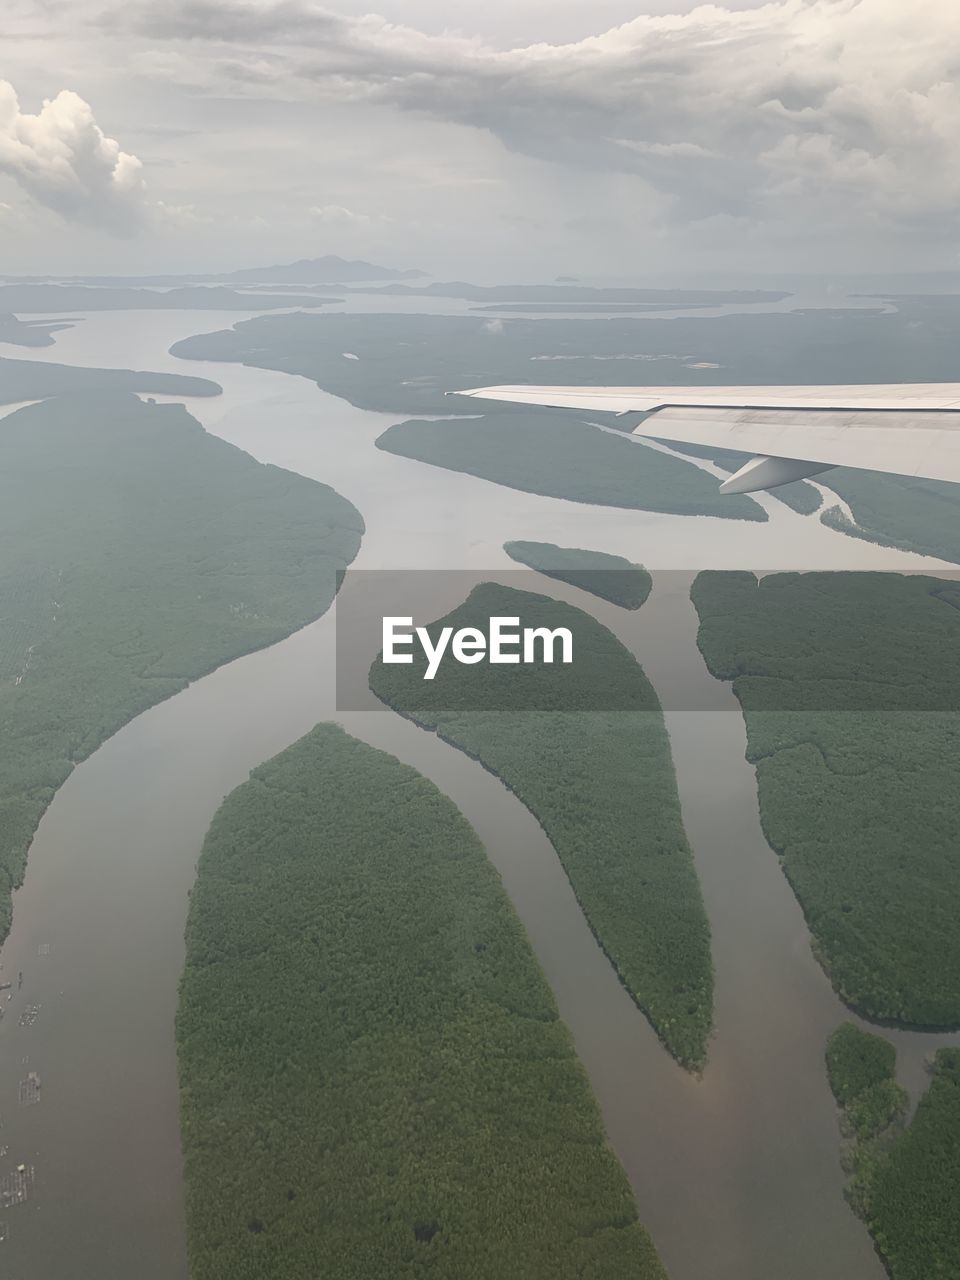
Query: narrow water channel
{"x":737,"y":1175}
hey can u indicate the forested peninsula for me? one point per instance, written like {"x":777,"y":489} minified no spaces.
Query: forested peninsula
{"x":28,"y":333}
{"x":850,"y":685}
{"x":908,"y":512}
{"x":613,"y":578}
{"x":374,"y":1078}
{"x":37,"y":380}
{"x":905,"y":1182}
{"x":562,"y":458}
{"x":585,"y":748}
{"x":137,"y":553}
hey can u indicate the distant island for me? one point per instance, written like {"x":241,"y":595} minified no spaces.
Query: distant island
{"x":563,"y":458}
{"x":591,"y":308}
{"x":38,"y":380}
{"x":326,"y":270}
{"x":28,"y":333}
{"x":578,"y":293}
{"x":610,"y":577}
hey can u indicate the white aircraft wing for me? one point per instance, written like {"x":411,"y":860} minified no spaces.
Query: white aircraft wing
{"x":910,"y":429}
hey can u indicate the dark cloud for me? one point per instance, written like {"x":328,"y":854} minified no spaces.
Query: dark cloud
{"x":797,"y":107}
{"x":210,"y":20}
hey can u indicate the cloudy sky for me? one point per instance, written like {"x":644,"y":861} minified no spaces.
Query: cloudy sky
{"x":505,"y":139}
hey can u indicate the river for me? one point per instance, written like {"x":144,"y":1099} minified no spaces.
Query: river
{"x":737,"y":1175}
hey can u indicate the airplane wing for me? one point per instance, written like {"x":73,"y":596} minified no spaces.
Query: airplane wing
{"x":909,"y":429}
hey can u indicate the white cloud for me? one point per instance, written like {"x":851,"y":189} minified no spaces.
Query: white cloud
{"x":683,"y":150}
{"x":850,"y":107}
{"x":62,"y":160}
{"x":335,"y":215}
{"x":183,"y":216}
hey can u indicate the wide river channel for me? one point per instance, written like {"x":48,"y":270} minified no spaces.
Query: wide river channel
{"x":737,"y":1174}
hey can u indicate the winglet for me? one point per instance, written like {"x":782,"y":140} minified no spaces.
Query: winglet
{"x":767,"y":473}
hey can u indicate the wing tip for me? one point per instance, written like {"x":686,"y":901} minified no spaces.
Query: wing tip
{"x":481,"y":393}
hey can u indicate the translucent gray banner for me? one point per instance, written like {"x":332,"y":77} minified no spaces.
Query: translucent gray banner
{"x":506,"y":640}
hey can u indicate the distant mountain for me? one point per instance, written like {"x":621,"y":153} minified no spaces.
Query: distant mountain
{"x":326,"y":270}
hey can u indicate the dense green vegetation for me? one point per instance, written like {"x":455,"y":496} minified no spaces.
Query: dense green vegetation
{"x":585,"y":748}
{"x":136,"y":553}
{"x":374,"y":1079}
{"x":898,"y":511}
{"x":862,"y":1071}
{"x":553,"y":455}
{"x":904,"y":1183}
{"x":612,"y":578}
{"x":858,"y":1061}
{"x":913,"y":1195}
{"x":36,"y":379}
{"x":850,"y":685}
{"x":27,"y":333}
{"x":407,"y":362}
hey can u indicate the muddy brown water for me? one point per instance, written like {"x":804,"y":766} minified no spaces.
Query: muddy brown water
{"x":737,"y":1175}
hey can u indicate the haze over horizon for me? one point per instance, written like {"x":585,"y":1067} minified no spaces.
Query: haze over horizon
{"x":517,"y":141}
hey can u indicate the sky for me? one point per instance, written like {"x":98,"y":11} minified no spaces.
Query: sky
{"x":508,"y":140}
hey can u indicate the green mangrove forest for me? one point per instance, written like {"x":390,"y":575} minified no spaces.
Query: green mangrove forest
{"x":408,"y":363}
{"x":585,"y":748}
{"x":610,"y":577}
{"x":37,"y":380}
{"x":137,"y":553}
{"x":374,"y":1078}
{"x":559,"y":457}
{"x":905,"y":1182}
{"x":916,"y":515}
{"x":850,"y":686}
